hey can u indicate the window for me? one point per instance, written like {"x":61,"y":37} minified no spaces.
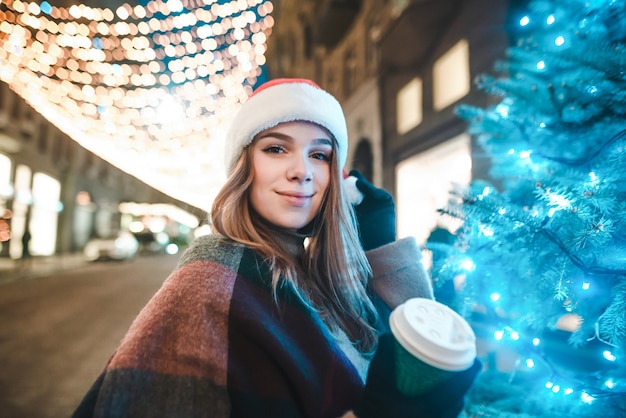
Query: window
{"x":363,"y":159}
{"x":319,"y":69}
{"x":424,"y":182}
{"x":371,"y":53}
{"x":21,"y":201}
{"x":349,"y":73}
{"x":308,"y":41}
{"x":330,"y":79}
{"x":44,"y":214}
{"x":451,"y":75}
{"x":409,"y":106}
{"x":6,"y":188}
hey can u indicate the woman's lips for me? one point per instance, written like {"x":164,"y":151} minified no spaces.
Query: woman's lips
{"x":296,"y":199}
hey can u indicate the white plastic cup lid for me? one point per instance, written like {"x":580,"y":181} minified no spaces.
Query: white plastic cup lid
{"x":434,"y":333}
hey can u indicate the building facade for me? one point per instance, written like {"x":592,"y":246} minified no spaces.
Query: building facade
{"x":334,"y":43}
{"x":400,"y":68}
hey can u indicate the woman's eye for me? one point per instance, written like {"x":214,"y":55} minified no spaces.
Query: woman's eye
{"x":274,"y":149}
{"x":321,"y":156}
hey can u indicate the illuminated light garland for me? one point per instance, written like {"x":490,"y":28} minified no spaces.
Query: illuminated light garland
{"x":557,"y":383}
{"x":148,"y":88}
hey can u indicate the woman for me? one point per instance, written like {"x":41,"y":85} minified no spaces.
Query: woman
{"x":253,"y":322}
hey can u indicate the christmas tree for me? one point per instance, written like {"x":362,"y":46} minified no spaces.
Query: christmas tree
{"x":539,"y":263}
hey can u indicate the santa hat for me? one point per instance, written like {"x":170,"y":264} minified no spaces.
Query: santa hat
{"x":285,"y":100}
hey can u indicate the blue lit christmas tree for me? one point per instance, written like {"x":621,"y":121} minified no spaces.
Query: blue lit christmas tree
{"x":541,"y":257}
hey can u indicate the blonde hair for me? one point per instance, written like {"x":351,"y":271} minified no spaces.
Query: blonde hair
{"x":332,"y":275}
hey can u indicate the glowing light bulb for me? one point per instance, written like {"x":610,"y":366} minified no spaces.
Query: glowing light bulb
{"x":536,"y":341}
{"x":495,"y":297}
{"x":175,"y":6}
{"x":468,"y":265}
{"x":514,"y":335}
{"x":46,"y":7}
{"x":498,"y":335}
{"x":486,"y":230}
{"x":549,"y":385}
{"x":116,"y":69}
{"x":587,"y":398}
{"x":530,"y":363}
{"x":502,"y":110}
{"x":561,"y":202}
{"x":524,"y":21}
{"x":608,"y":355}
{"x":525,"y":154}
{"x":550,"y":20}
{"x":609,"y":384}
{"x":169,"y":110}
{"x":586,"y":285}
{"x":568,"y":391}
{"x":559,"y":41}
{"x":541,"y":65}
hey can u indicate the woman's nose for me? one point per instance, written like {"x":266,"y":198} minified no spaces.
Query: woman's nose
{"x":300,"y":169}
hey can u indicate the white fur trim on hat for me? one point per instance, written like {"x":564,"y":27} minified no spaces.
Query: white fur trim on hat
{"x":285,"y":100}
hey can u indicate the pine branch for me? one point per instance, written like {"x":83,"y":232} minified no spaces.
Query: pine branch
{"x":587,"y":159}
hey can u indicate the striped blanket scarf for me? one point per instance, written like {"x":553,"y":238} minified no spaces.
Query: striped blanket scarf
{"x":214,"y":342}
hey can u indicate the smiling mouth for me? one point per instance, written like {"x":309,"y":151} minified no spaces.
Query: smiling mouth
{"x":296,"y":199}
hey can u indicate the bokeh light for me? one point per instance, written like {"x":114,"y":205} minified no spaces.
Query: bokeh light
{"x":151,"y":89}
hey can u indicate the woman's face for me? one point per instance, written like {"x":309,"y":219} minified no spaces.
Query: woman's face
{"x":291,"y":165}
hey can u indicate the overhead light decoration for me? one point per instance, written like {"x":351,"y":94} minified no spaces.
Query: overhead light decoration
{"x":151,"y":89}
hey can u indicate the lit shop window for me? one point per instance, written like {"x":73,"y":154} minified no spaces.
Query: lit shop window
{"x":6,"y":188}
{"x":424,"y":182}
{"x":409,"y":106}
{"x":44,"y":214}
{"x":451,"y":75}
{"x":22,"y":199}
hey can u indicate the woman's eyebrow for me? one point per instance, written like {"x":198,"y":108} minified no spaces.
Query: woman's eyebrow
{"x":273,"y":134}
{"x":323,"y":141}
{"x":282,"y":136}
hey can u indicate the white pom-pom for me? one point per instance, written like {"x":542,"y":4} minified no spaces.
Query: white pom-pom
{"x":354,"y":194}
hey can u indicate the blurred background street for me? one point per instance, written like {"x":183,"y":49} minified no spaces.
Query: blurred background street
{"x":58,"y":326}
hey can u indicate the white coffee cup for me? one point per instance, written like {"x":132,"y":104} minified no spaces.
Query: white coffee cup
{"x":433,"y":343}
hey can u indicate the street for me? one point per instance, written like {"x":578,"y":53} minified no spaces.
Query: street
{"x":57,"y":331}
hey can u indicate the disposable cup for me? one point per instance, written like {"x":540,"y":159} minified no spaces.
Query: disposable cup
{"x":433,"y":342}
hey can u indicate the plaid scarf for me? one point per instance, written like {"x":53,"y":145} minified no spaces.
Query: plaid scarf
{"x":214,"y":342}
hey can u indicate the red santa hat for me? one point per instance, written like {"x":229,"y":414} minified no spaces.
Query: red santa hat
{"x":286,"y":100}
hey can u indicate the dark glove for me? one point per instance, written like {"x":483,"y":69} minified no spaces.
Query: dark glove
{"x":382,"y":399}
{"x":376,"y":214}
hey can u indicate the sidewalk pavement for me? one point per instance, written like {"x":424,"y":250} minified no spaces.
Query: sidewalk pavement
{"x":36,"y":266}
